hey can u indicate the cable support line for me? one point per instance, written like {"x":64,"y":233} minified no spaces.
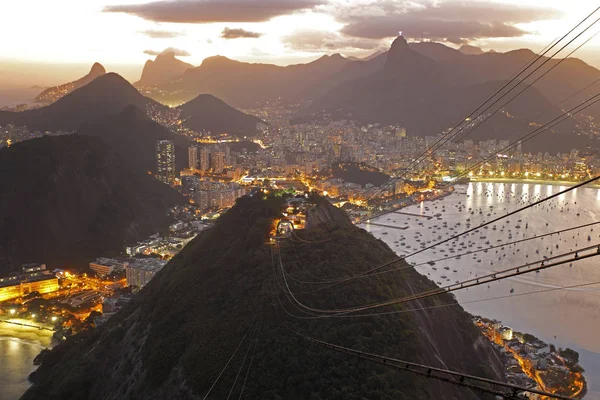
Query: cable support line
{"x":362,"y":274}
{"x":454,"y":304}
{"x":557,"y":120}
{"x":529,"y":85}
{"x":250,"y":345}
{"x":456,"y":255}
{"x":231,"y":358}
{"x":536,"y":132}
{"x":522,"y":81}
{"x":450,"y":134}
{"x":506,"y":244}
{"x":457,"y":378}
{"x":485,"y":279}
{"x":422,"y":369}
{"x":510,"y":81}
{"x":554,"y":289}
{"x":278,"y":284}
{"x":251,"y":360}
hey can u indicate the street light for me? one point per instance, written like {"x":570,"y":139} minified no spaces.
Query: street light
{"x":13,"y":311}
{"x":54,"y":319}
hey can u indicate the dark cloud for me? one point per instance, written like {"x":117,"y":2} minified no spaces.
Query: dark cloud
{"x":320,"y":41}
{"x":160,"y":34}
{"x":177,"y":52}
{"x":239,"y":34}
{"x":207,"y":11}
{"x":452,"y":21}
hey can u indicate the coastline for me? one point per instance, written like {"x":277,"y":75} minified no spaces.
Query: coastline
{"x":19,"y":345}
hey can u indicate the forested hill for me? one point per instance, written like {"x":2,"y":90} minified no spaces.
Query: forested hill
{"x":174,"y":339}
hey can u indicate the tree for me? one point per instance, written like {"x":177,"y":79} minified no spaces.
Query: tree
{"x":571,"y":356}
{"x":528,"y":337}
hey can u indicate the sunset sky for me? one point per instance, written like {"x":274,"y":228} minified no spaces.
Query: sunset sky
{"x":67,"y":36}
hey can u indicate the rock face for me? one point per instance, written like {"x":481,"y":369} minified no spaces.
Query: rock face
{"x":105,"y":95}
{"x":326,"y":214}
{"x":163,"y":69}
{"x":65,"y":200}
{"x":52,"y":94}
{"x":207,"y":113}
{"x":175,"y":338}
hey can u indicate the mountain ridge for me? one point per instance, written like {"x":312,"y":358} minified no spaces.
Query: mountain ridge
{"x":52,"y":94}
{"x":164,"y":68}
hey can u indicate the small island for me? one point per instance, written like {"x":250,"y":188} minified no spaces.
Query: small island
{"x":530,"y":362}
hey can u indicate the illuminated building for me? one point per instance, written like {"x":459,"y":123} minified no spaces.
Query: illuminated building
{"x":33,"y":278}
{"x":165,"y":161}
{"x":141,"y":271}
{"x":193,"y":157}
{"x":106,"y":266}
{"x":217,"y":161}
{"x":204,"y":159}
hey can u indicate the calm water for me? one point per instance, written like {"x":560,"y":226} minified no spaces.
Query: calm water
{"x":18,"y":348}
{"x":565,"y":317}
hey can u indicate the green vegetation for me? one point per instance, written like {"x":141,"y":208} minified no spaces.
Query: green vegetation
{"x":173,"y":339}
{"x":571,"y":358}
{"x":360,"y":174}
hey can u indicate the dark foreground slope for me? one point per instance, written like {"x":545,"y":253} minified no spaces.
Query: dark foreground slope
{"x":176,"y":336}
{"x":64,"y":200}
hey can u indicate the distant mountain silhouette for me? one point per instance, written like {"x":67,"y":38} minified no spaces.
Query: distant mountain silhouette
{"x":68,"y":199}
{"x":52,"y":94}
{"x":243,"y":84}
{"x":403,"y":63}
{"x":163,"y":69}
{"x":563,"y":81}
{"x":470,"y":50}
{"x":207,"y":112}
{"x":425,"y":97}
{"x":105,"y":95}
{"x":133,"y":135}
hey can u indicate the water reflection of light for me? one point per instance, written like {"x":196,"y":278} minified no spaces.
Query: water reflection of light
{"x":537,"y":189}
{"x":501,"y":190}
{"x":549,"y":189}
{"x":560,"y":189}
{"x":13,"y":346}
{"x":598,"y":197}
{"x":526,"y":188}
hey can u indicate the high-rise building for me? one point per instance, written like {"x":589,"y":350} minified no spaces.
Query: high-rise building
{"x":204,"y":159}
{"x":193,"y":157}
{"x":217,"y":161}
{"x":227,"y":151}
{"x":165,"y":161}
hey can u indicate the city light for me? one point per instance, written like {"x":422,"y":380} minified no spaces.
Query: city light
{"x":54,"y":319}
{"x":12,"y":311}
